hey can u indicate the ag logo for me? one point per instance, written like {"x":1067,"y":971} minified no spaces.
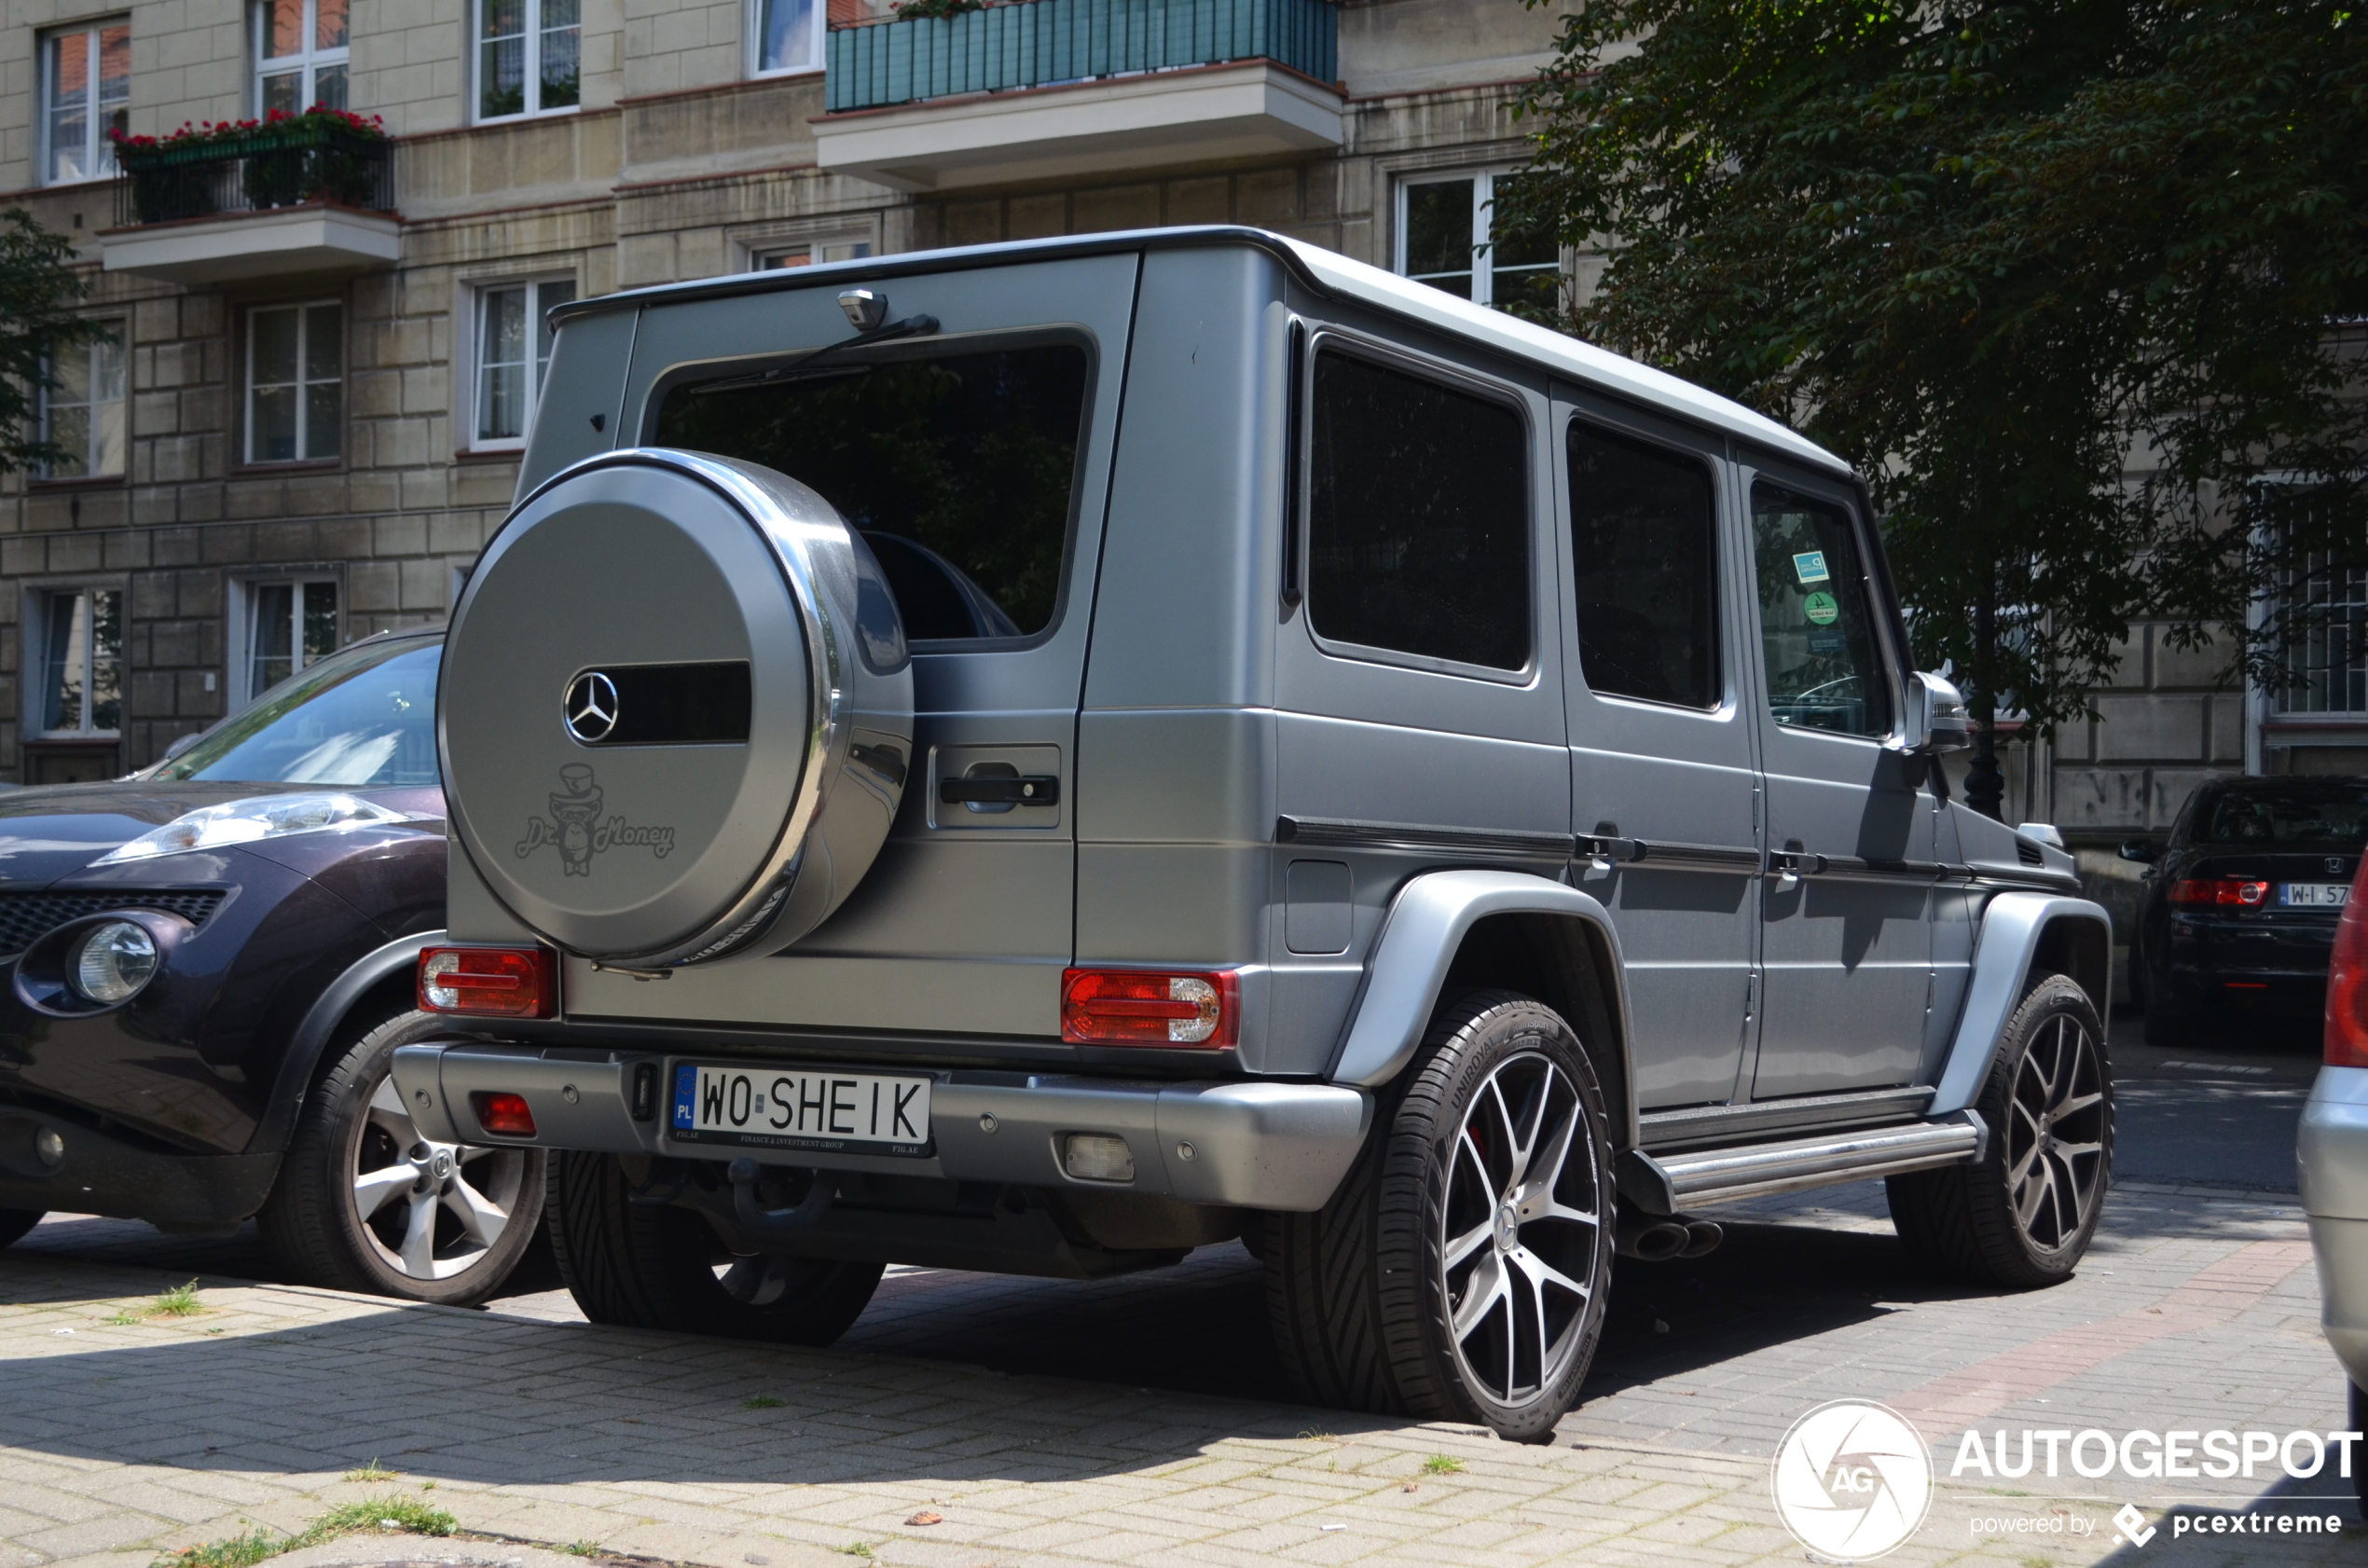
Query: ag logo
{"x":575,"y":830}
{"x":1852,"y":1480}
{"x":590,"y":707}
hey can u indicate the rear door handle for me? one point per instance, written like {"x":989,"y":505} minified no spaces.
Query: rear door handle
{"x":1028,"y":789}
{"x":1792,"y":862}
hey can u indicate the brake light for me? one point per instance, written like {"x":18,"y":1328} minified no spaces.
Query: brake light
{"x":1148,"y":1007}
{"x":493,"y":982}
{"x":2347,"y":983}
{"x":504,"y":1115}
{"x":2219,"y":890}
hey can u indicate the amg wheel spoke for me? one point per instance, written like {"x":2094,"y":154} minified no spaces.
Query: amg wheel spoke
{"x":374,"y":1190}
{"x":1463,"y":1246}
{"x":2071,"y":1151}
{"x":1541,"y":1274}
{"x":1483,"y":1292}
{"x":2075,"y":1104}
{"x":2015,"y":1177}
{"x":1526,"y":1151}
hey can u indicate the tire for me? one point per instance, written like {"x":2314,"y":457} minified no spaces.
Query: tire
{"x":450,"y":1234}
{"x":1365,"y":1295}
{"x":2023,"y":1216}
{"x":16,"y":1223}
{"x":647,"y":1266}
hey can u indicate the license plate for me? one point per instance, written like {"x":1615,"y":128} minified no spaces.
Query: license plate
{"x":800,"y":1108}
{"x":2314,"y":895}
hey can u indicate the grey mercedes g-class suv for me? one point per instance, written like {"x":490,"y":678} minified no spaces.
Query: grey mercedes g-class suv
{"x":1042,"y":757}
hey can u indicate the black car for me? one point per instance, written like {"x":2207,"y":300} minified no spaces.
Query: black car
{"x":2238,"y":916}
{"x":208,"y":966}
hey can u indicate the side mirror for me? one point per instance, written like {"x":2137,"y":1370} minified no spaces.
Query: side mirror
{"x":181,"y":744}
{"x":2141,"y":850}
{"x":1937,"y":723}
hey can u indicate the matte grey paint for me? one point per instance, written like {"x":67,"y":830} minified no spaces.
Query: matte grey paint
{"x":2010,"y":928}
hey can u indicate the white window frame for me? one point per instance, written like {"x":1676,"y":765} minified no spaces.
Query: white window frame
{"x":97,"y":149}
{"x":474,"y":362}
{"x":47,"y":403}
{"x":532,"y":81}
{"x":246,"y":603}
{"x":304,"y":309}
{"x":41,"y":606}
{"x":757,"y":67}
{"x":1483,"y":249}
{"x":854,"y":247}
{"x":306,"y":62}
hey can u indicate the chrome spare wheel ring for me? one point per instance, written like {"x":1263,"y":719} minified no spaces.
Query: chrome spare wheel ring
{"x":1520,"y":1234}
{"x":430,"y":1210}
{"x":2056,"y":1133}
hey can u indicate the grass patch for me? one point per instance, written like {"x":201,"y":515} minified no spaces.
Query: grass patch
{"x":1313,"y":1436}
{"x":1440,"y":1464}
{"x":2036,"y":1560}
{"x":581,"y":1549}
{"x":854,"y":1549}
{"x":407,"y":1515}
{"x":374,"y":1474}
{"x":762,"y":1402}
{"x":179,"y":1301}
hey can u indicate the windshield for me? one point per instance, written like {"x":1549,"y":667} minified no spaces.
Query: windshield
{"x":360,"y":719}
{"x":2298,"y":813}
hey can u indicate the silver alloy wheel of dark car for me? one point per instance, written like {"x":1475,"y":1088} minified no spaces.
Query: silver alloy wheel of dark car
{"x":1518,"y":1262}
{"x":431,"y":1210}
{"x":2054,"y":1133}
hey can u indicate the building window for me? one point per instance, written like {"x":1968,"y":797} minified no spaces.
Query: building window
{"x":2321,"y":619}
{"x":528,"y":54}
{"x":513,"y":350}
{"x":289,"y":627}
{"x":774,"y":256}
{"x":789,"y":36}
{"x":300,"y":50}
{"x":82,"y":409}
{"x":1449,"y":237}
{"x":81,"y":691}
{"x":296,"y":382}
{"x":86,"y":92}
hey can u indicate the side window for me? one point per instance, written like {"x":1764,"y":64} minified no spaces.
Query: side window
{"x":1645,"y":544}
{"x":1418,"y":517}
{"x":1816,"y":616}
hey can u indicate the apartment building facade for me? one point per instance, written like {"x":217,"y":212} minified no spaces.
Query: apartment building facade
{"x":308,"y":414}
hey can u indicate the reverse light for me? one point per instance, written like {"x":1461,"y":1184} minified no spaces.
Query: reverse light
{"x":1098,"y":1157}
{"x":2239,"y":890}
{"x":2347,"y":983}
{"x":504,"y":1115}
{"x":1146,"y":1007}
{"x":489,"y":982}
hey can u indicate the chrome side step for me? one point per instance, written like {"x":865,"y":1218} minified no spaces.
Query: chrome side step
{"x":1669,"y":1183}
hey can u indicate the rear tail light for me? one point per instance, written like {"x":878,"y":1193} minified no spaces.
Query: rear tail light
{"x":1146,"y":1007}
{"x":489,"y":982}
{"x":504,"y":1115}
{"x":2242,"y":891}
{"x":2347,"y":983}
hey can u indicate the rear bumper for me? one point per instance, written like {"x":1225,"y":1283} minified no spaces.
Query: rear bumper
{"x":2333,"y":1164}
{"x":103,"y":1175}
{"x":1246,"y":1143}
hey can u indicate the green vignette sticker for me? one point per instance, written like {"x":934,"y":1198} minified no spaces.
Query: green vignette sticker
{"x":1821,"y":608}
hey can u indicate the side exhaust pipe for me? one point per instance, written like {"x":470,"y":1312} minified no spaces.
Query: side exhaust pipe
{"x":1657,"y":1238}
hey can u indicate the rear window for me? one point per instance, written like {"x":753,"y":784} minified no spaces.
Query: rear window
{"x":2305,"y":814}
{"x":958,"y":469}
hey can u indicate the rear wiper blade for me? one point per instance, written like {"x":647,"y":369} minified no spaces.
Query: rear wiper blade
{"x":802,"y":366}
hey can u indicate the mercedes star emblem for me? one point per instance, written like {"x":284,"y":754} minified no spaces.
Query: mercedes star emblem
{"x":591,"y":706}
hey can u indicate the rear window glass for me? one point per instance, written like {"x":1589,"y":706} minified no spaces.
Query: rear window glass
{"x":2313,"y":813}
{"x":958,"y":468}
{"x":1418,"y":517}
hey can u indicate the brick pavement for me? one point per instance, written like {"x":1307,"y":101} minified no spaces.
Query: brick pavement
{"x":119,"y":1441}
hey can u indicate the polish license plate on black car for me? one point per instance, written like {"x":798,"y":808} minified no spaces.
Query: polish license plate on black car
{"x":2313,"y":895}
{"x":800,"y":1108}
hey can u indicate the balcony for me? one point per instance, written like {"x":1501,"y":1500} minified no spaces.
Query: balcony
{"x":305,"y":199}
{"x":1054,"y":88}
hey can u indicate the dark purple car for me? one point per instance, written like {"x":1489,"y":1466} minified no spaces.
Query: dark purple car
{"x":209,"y":966}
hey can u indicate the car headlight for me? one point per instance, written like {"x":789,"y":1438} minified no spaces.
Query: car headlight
{"x":245,"y":821}
{"x":113,"y":962}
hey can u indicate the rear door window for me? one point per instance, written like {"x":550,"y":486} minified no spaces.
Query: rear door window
{"x":1418,"y":517}
{"x":958,"y":469}
{"x":1643,"y":541}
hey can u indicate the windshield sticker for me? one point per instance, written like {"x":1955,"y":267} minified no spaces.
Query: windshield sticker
{"x":1821,"y":608}
{"x":575,"y":830}
{"x":1810,"y":567}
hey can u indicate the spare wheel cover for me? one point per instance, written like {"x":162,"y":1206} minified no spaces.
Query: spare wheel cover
{"x":657,"y":835}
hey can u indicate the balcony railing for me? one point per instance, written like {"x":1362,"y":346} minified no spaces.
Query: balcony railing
{"x":253,"y":172}
{"x":1040,"y":43}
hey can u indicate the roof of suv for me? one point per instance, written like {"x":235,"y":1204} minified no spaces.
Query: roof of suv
{"x":1328,"y":272}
